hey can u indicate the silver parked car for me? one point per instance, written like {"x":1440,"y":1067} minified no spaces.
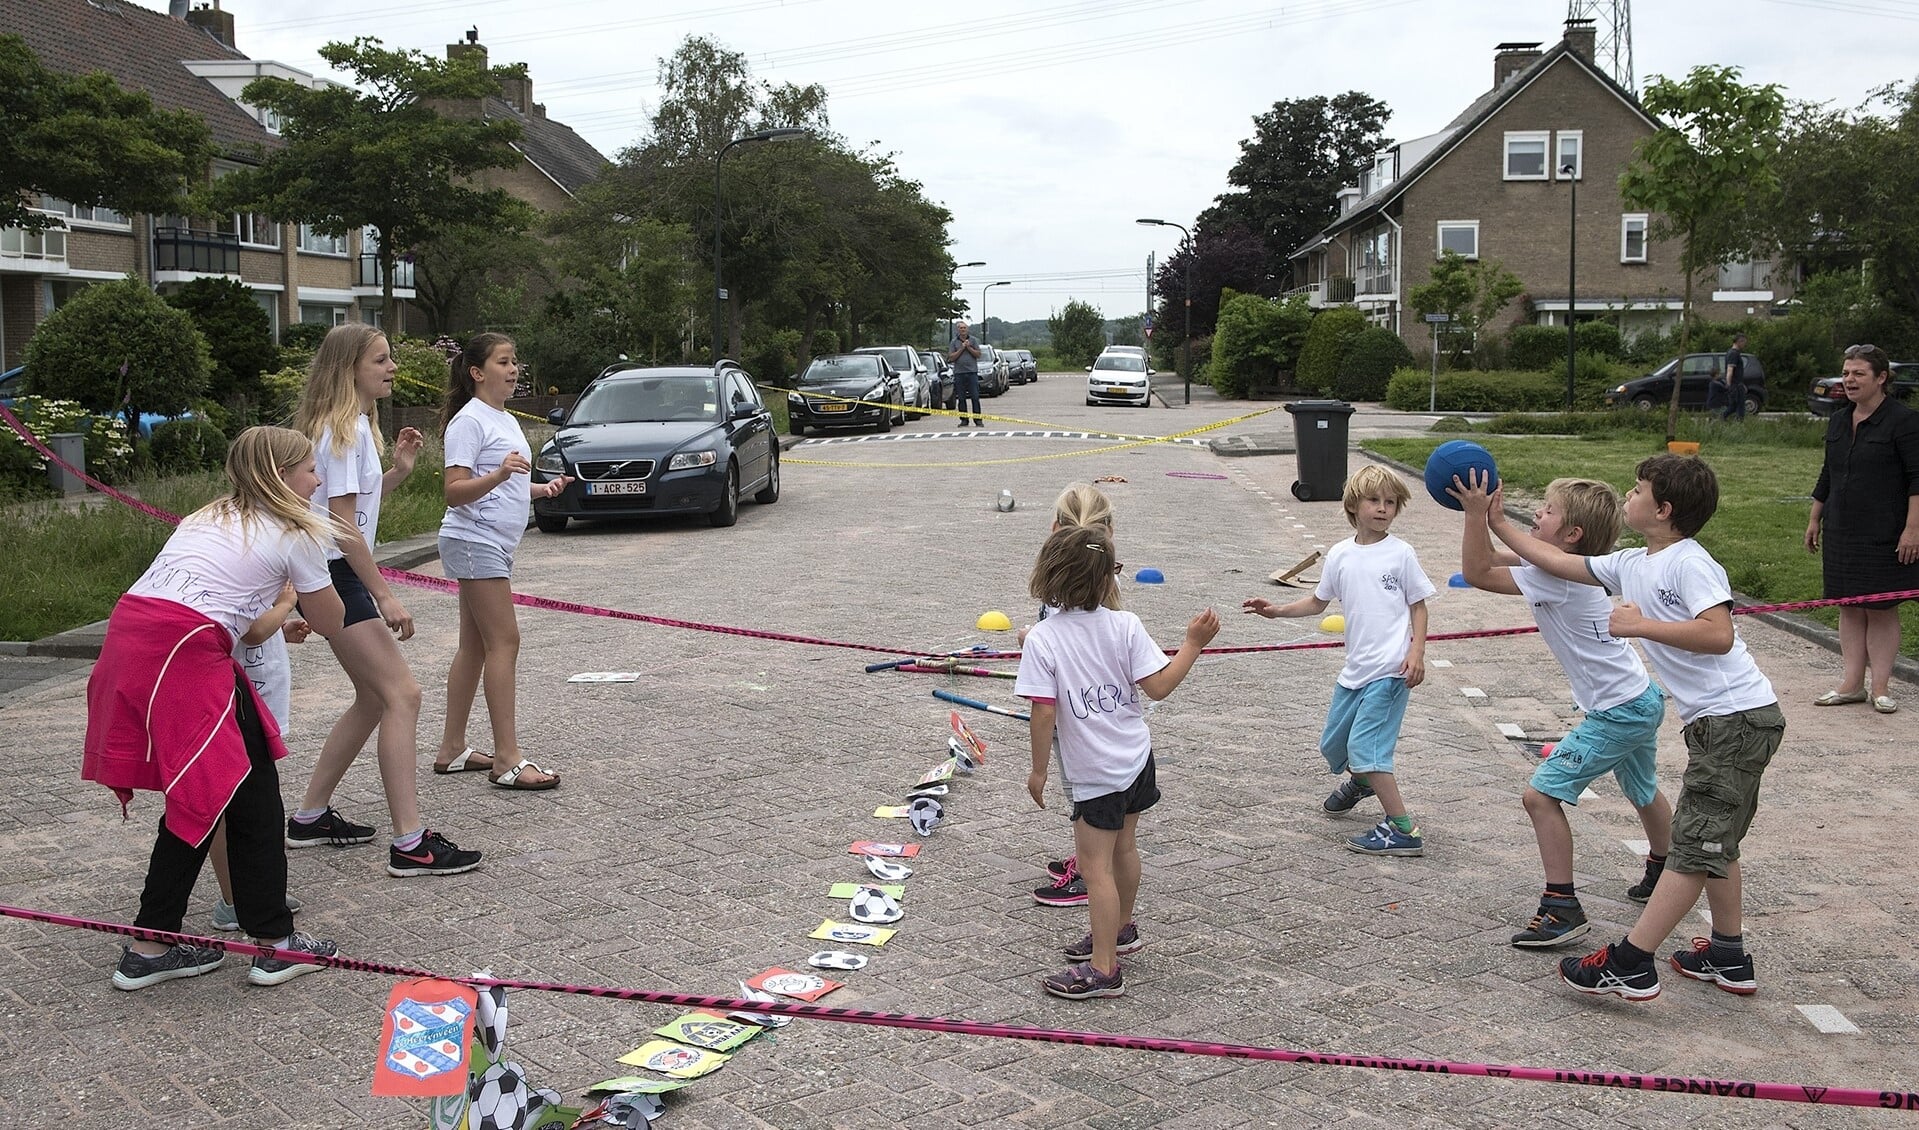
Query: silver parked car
{"x":914,"y":377}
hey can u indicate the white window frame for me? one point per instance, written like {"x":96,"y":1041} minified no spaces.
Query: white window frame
{"x":85,"y":215}
{"x":1439,"y":237}
{"x":1544,"y":138}
{"x":313,"y":243}
{"x":251,"y":226}
{"x":1626,"y":222}
{"x":1578,"y":138}
{"x":336,"y":315}
{"x":270,"y":302}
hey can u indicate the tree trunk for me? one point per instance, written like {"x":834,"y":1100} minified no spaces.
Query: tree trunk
{"x":1685,"y":341}
{"x":389,"y":319}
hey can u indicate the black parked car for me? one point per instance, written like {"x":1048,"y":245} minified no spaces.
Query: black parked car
{"x":1021,"y":369}
{"x":995,"y":376}
{"x":847,"y":390}
{"x":1828,"y":394}
{"x":639,"y":441}
{"x":1699,"y":369}
{"x":941,"y":374}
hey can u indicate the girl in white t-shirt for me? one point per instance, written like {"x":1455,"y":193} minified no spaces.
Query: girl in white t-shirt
{"x":171,"y":711}
{"x":351,"y":373}
{"x":488,"y":491}
{"x":1083,"y":670}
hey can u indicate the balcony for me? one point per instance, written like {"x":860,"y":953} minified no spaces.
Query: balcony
{"x":1375,"y":281}
{"x":33,"y":252}
{"x":182,"y":254}
{"x":1340,"y":290}
{"x":368,"y":279}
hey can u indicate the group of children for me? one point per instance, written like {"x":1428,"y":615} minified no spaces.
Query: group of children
{"x":193,"y":680}
{"x":1676,"y":600}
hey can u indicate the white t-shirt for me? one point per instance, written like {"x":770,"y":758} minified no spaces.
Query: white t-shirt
{"x":1376,"y":586}
{"x":1090,"y":664}
{"x":479,"y":437}
{"x":355,"y":472}
{"x":270,"y":669}
{"x":230,"y":575}
{"x":1604,"y":670}
{"x":1675,"y":585}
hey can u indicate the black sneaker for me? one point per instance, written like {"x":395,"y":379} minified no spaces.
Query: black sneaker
{"x":1070,"y":891}
{"x":1349,"y":793}
{"x":1599,"y":973}
{"x":277,"y":970}
{"x":1731,"y":974}
{"x":1129,"y":942}
{"x":1061,"y":868}
{"x":1642,"y":890}
{"x":433,"y":855}
{"x":137,"y":971}
{"x":1558,"y":921}
{"x":330,"y":828}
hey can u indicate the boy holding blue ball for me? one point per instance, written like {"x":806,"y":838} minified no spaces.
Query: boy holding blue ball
{"x":1619,"y":733}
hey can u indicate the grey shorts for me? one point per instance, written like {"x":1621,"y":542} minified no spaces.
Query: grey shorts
{"x":463,"y":560}
{"x":1726,"y":756}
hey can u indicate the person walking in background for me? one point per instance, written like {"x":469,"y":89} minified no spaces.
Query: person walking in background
{"x":351,"y":373}
{"x":1731,"y":381}
{"x":1382,"y":590}
{"x":964,"y":354}
{"x":488,"y":491}
{"x":1865,"y":524}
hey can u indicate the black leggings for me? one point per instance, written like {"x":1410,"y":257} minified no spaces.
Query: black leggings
{"x":256,"y":847}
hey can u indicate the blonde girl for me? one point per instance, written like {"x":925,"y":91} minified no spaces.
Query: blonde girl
{"x":1083,"y":669}
{"x":210,"y":750}
{"x":351,"y":373}
{"x":488,"y":491}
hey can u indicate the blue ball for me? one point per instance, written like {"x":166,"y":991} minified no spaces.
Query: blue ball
{"x":1457,"y":457}
{"x":1150,"y":577}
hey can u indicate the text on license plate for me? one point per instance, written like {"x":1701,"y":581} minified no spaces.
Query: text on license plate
{"x":1116,"y":392}
{"x":621,"y":486}
{"x":835,"y":407}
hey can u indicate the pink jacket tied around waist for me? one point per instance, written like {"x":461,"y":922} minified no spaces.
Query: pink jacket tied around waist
{"x":161,"y":713}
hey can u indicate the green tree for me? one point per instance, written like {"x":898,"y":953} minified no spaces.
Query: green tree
{"x":239,"y":338}
{"x":1079,"y":332}
{"x":1370,"y":361}
{"x":382,"y":155}
{"x":1471,"y":292}
{"x":1302,"y":152}
{"x":1255,"y":341}
{"x":450,"y":272}
{"x":1707,"y":175}
{"x":117,"y":348}
{"x":85,"y":140}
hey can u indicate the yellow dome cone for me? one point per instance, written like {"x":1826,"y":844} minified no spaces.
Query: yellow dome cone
{"x":994,"y":621}
{"x":1334,"y":624}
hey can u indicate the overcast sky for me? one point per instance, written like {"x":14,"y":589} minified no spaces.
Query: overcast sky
{"x":1048,"y":127}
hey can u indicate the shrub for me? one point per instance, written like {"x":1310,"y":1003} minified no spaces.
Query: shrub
{"x":1332,"y":331}
{"x":773,"y":359}
{"x":180,"y":447}
{"x":1795,"y":351}
{"x":1492,"y":391}
{"x":1452,"y":425}
{"x":116,"y":347}
{"x":303,"y":336}
{"x":1254,"y":340}
{"x":1536,"y":348}
{"x":1601,"y":338}
{"x":280,"y":392}
{"x":239,"y":337}
{"x":1369,"y":363}
{"x":422,"y":376}
{"x":109,"y":452}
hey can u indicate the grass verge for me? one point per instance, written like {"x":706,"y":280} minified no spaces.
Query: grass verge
{"x":1764,"y":497}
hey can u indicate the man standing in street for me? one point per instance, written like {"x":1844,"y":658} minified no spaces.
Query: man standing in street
{"x":964,"y":355}
{"x":1732,"y":375}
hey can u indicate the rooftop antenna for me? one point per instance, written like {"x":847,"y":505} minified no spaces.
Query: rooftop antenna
{"x":1612,"y":40}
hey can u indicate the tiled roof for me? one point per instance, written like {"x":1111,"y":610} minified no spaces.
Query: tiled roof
{"x":141,"y":49}
{"x":563,"y":155}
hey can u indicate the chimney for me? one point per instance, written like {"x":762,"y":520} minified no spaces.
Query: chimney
{"x":214,"y":22}
{"x":177,"y":9}
{"x":472,"y":48}
{"x":517,"y":90}
{"x":1580,"y":37}
{"x":1511,"y":58}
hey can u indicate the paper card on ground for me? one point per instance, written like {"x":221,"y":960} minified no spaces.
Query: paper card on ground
{"x":708,"y":1030}
{"x":425,"y":1039}
{"x":889,"y":851}
{"x":896,"y":891}
{"x":852,"y":932}
{"x":605,"y":677}
{"x":890,"y":812}
{"x":676,"y":1060}
{"x":965,"y":734}
{"x":941,"y":772}
{"x":799,"y":986}
{"x":636,"y":1084}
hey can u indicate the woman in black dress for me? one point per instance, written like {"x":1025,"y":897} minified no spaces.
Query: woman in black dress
{"x":1867,"y":503}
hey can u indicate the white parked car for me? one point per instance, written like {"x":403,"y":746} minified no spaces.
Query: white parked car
{"x":914,"y":377}
{"x":1119,"y":378}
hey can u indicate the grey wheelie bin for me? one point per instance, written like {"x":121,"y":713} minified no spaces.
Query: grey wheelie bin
{"x":1319,"y":427}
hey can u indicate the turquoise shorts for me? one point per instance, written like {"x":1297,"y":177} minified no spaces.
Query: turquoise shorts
{"x":1621,"y":740}
{"x":1362,"y":726}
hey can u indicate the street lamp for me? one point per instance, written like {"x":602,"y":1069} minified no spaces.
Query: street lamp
{"x":784,"y":133}
{"x":1568,"y":170}
{"x":1186,"y":364}
{"x":957,"y":268}
{"x":982,"y":305}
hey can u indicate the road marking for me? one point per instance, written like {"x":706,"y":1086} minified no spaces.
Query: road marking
{"x":1507,"y":728}
{"x":911,"y":437}
{"x":1436,"y":662}
{"x":1588,"y":794}
{"x":1640,"y":848}
{"x":1828,"y":1019}
{"x":1472,"y":692}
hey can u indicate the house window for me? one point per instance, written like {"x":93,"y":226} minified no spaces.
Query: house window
{"x":1571,"y":152}
{"x":84,"y":213}
{"x":1632,"y":237}
{"x":1526,"y":155}
{"x":1745,"y":274}
{"x":256,"y":230}
{"x":323,"y":315}
{"x":1460,"y":236}
{"x":318,"y":244}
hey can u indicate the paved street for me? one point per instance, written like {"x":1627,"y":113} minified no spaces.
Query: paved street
{"x":706,"y":808}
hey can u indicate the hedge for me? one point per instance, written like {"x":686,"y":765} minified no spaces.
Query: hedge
{"x":1498,"y":390}
{"x":1372,"y":358}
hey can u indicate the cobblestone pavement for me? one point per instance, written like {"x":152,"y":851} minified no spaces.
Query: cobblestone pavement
{"x":707,"y":807}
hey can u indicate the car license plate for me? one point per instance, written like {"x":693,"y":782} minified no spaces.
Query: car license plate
{"x":834,"y":407}
{"x":1116,"y":392}
{"x":622,"y":486}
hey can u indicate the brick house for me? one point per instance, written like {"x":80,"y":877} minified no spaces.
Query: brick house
{"x":1493,"y":184}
